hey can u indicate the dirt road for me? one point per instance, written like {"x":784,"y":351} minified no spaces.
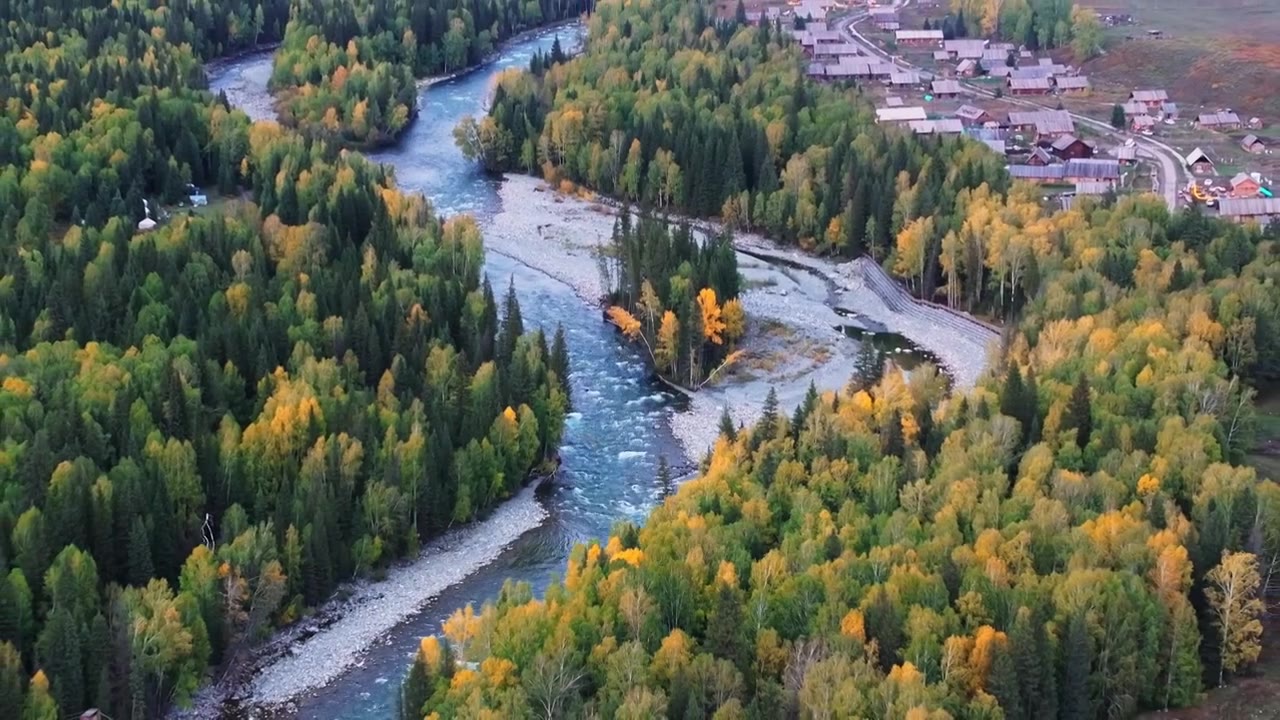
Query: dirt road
{"x":1168,"y":161}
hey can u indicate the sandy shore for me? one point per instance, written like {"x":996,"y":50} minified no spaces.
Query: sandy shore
{"x":792,"y":337}
{"x":377,"y":607}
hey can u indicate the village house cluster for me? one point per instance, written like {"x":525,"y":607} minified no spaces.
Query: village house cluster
{"x":1041,"y":143}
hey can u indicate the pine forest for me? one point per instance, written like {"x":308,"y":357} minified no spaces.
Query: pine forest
{"x":212,"y":418}
{"x":209,"y":426}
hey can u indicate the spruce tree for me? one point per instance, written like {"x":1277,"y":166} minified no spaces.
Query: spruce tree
{"x":868,"y":365}
{"x":725,"y":627}
{"x":1033,"y":659}
{"x":768,"y":419}
{"x":1012,"y":393}
{"x":1080,"y":411}
{"x":1002,"y":682}
{"x":884,"y":625}
{"x":287,"y":208}
{"x":928,"y":435}
{"x":681,"y":700}
{"x":414,"y":692}
{"x":727,"y":428}
{"x":10,"y":620}
{"x":61,"y":657}
{"x":1077,"y":659}
{"x":512,"y":326}
{"x":560,"y":364}
{"x":141,"y":570}
{"x":97,"y":663}
{"x":891,"y":439}
{"x":983,"y":410}
{"x":1117,"y":116}
{"x":11,"y":674}
{"x":665,"y":484}
{"x":1031,"y":393}
{"x":805,"y":409}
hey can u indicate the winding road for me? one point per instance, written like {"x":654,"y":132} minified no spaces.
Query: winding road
{"x":1168,"y":160}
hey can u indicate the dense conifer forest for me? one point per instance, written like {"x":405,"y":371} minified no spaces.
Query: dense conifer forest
{"x":673,"y":111}
{"x":1076,"y":537}
{"x":207,"y":426}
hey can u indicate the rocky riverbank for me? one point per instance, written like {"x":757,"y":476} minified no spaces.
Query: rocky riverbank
{"x":793,"y":337}
{"x":244,"y":81}
{"x":320,"y":659}
{"x":314,"y":652}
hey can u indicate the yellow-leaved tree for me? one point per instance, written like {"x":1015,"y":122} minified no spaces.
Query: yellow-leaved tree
{"x":735,"y":320}
{"x":668,"y":349}
{"x":712,"y":323}
{"x":1233,"y":599}
{"x":650,"y":304}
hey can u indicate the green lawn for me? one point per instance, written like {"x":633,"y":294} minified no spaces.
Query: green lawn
{"x":1267,"y":428}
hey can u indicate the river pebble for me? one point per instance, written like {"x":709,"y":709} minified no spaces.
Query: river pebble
{"x":551,"y":233}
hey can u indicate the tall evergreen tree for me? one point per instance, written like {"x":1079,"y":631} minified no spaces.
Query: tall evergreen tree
{"x":141,"y":568}
{"x":868,"y":365}
{"x":1002,"y":682}
{"x":10,"y":619}
{"x":11,"y":674}
{"x":1077,"y":693}
{"x":60,"y":656}
{"x":1033,"y":659}
{"x":768,"y":423}
{"x":804,"y":409}
{"x":512,"y":324}
{"x":727,"y":428}
{"x":1012,"y":393}
{"x":726,"y":627}
{"x":560,"y":364}
{"x":413,"y":693}
{"x":1031,"y":391}
{"x":1080,"y":411}
{"x":665,"y":485}
{"x":891,"y":439}
{"x":884,"y":625}
{"x":1118,"y":119}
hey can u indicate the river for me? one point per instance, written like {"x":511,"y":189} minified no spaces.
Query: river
{"x":613,"y":439}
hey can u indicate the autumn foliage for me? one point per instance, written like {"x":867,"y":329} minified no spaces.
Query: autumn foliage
{"x":676,"y":295}
{"x":247,"y":404}
{"x":1073,"y":537}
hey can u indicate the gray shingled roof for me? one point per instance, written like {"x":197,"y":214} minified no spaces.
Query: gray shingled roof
{"x":1037,"y":172}
{"x":1093,"y":169}
{"x":1245,"y":207}
{"x":1218,"y":118}
{"x":1029,"y":83}
{"x":946,"y":87}
{"x":1149,"y":96}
